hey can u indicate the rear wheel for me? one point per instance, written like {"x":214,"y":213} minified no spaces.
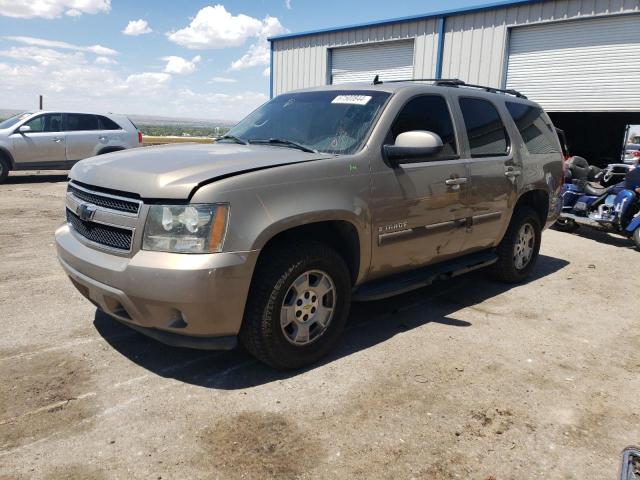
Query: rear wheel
{"x":636,"y":237}
{"x":565,"y":225}
{"x":518,"y":250}
{"x":5,"y":166}
{"x":297,"y":306}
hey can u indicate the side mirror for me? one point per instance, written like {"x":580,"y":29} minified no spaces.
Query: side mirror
{"x":413,"y":146}
{"x":24,"y":129}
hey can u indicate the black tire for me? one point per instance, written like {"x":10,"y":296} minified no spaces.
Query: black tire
{"x":277,"y":268}
{"x":565,"y":225}
{"x":5,"y":166}
{"x":505,"y":269}
{"x":636,"y":238}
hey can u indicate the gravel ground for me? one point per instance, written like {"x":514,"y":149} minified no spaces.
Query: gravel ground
{"x":468,"y":379}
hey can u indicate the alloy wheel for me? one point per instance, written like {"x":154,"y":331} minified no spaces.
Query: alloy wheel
{"x":524,"y":246}
{"x":308,"y":307}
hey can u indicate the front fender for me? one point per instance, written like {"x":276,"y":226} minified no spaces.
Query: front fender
{"x":268,"y":202}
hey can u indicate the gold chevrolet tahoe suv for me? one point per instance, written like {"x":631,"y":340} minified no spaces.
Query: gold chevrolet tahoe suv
{"x":317,"y":198}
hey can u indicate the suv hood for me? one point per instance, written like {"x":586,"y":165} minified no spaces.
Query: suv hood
{"x":173,"y":171}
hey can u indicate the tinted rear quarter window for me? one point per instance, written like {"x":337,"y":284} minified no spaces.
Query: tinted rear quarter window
{"x":537,"y":133}
{"x":485,"y":130}
{"x":430,"y":113}
{"x":108,"y":124}
{"x":80,"y":121}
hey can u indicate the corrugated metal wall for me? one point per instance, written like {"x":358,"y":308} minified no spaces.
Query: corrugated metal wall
{"x":475,"y":46}
{"x":303,"y":62}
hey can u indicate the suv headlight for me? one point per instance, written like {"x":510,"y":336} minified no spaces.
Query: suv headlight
{"x":196,"y":228}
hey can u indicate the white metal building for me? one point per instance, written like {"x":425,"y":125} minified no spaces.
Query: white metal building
{"x":571,"y":56}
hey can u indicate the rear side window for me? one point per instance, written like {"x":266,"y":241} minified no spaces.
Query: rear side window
{"x":427,"y":112}
{"x":485,"y":130}
{"x":108,"y":124}
{"x":80,"y":121}
{"x":537,"y":133}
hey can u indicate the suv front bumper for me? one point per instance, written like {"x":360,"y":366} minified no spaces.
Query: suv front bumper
{"x":191,"y":300}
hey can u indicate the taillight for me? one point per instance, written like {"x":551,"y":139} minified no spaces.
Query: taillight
{"x":139,"y":137}
{"x":636,"y":154}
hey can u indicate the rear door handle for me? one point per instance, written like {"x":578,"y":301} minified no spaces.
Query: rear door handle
{"x":511,"y":172}
{"x":57,"y":139}
{"x":455,"y":181}
{"x":102,"y":139}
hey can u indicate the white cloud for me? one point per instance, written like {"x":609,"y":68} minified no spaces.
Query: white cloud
{"x":181,"y":66}
{"x":137,"y":27}
{"x":223,"y":80}
{"x":287,"y":3}
{"x":149,"y":81}
{"x":215,"y":27}
{"x":105,"y":61}
{"x":259,"y":52}
{"x":266,"y":72}
{"x":81,"y":80}
{"x":40,"y":42}
{"x":52,"y":8}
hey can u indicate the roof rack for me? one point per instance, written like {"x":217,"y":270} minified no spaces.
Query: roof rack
{"x":452,"y":82}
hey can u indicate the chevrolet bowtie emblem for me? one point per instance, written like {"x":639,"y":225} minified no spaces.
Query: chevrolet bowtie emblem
{"x":86,"y":211}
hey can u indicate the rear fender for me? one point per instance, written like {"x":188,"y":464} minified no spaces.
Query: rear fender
{"x":633,"y":224}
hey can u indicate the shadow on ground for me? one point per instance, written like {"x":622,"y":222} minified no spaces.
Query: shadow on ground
{"x":604,"y":237}
{"x":369,"y":324}
{"x":36,"y":178}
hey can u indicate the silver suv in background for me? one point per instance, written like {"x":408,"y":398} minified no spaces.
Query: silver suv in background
{"x":57,"y":140}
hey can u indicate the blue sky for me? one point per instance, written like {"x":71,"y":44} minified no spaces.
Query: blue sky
{"x":190,"y":59}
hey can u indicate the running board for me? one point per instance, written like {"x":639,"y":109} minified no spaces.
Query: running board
{"x":422,"y":277}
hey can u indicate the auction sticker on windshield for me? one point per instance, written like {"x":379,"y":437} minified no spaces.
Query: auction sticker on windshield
{"x":352,"y":99}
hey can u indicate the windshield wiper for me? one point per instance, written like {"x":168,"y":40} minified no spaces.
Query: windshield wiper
{"x":284,"y":142}
{"x":239,"y":140}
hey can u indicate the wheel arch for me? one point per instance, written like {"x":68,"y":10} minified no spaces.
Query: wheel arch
{"x":109,"y":150}
{"x":538,"y":200}
{"x":338,"y":233}
{"x":7,"y":154}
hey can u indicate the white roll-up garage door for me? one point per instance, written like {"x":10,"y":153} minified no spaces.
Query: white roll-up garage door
{"x":583,"y":65}
{"x":390,"y":60}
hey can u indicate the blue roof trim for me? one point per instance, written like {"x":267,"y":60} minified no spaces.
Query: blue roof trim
{"x":442,"y":13}
{"x":440,"y":53}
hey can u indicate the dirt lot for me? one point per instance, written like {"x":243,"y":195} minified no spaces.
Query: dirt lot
{"x":469,"y":379}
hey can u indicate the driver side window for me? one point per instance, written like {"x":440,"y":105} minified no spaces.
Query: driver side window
{"x":430,"y":113}
{"x":50,"y":122}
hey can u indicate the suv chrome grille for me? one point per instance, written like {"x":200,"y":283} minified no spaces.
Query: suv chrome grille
{"x":106,"y":235}
{"x":104,"y":200}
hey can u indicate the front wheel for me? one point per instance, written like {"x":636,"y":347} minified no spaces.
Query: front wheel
{"x":565,"y":225}
{"x":4,"y":168}
{"x":297,"y":306}
{"x":518,"y":250}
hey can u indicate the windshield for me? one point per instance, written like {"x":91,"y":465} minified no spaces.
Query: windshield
{"x":335,"y":121}
{"x":11,"y":121}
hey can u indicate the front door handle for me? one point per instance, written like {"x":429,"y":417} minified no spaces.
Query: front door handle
{"x":57,"y":139}
{"x":455,"y":181}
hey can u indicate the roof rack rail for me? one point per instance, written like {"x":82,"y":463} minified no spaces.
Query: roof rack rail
{"x":452,"y":82}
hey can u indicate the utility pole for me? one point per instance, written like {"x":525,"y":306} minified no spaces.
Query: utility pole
{"x":40,"y":102}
